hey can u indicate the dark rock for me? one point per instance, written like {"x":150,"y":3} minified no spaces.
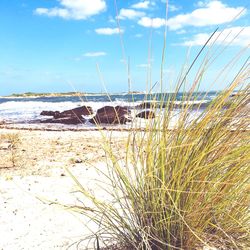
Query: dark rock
{"x":76,"y":112}
{"x":49,"y":113}
{"x":147,"y":114}
{"x":65,"y":120}
{"x":111,"y":115}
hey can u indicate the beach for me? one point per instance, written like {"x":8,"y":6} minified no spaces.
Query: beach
{"x":33,"y":177}
{"x":37,"y":191}
{"x":124,"y":125}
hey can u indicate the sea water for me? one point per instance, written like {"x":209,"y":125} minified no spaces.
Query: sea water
{"x":25,"y":112}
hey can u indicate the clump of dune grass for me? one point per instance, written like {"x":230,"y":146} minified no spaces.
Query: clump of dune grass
{"x":12,"y":142}
{"x":181,"y":186}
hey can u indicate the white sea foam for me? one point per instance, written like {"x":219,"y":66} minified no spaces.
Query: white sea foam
{"x":20,"y":111}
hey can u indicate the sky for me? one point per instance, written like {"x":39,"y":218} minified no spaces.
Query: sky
{"x":85,"y":45}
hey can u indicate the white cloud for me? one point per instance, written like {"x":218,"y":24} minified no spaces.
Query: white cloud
{"x":74,"y":9}
{"x":95,"y":54}
{"x":152,"y":22}
{"x":240,"y":36}
{"x":213,"y":13}
{"x":173,"y":8}
{"x":141,"y":5}
{"x":64,"y":13}
{"x":130,"y":14}
{"x":108,"y":31}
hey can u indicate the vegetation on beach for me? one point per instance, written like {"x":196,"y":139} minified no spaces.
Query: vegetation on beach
{"x":10,"y":144}
{"x":183,"y":188}
{"x":186,"y":187}
{"x":182,"y":185}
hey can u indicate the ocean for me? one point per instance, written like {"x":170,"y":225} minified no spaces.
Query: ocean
{"x":25,"y":112}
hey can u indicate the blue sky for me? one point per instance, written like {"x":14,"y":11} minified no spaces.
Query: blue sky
{"x":56,"y":45}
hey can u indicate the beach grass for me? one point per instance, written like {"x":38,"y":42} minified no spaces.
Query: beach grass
{"x":182,"y":185}
{"x":10,"y":144}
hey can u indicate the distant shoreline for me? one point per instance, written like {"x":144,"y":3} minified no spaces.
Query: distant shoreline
{"x":73,"y":94}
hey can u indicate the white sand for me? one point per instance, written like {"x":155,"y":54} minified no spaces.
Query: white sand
{"x":27,"y":221}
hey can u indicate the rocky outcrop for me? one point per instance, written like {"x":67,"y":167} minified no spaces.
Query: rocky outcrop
{"x":76,"y":112}
{"x":147,"y":114}
{"x":105,"y":115}
{"x":111,"y":115}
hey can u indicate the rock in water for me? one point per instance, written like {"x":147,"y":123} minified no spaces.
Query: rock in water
{"x":147,"y":114}
{"x":76,"y":112}
{"x":111,"y":115}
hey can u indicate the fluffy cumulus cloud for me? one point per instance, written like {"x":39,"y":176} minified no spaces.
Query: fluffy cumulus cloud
{"x":152,"y":22}
{"x":74,"y":9}
{"x":141,"y":5}
{"x":212,"y":13}
{"x":108,"y":31}
{"x":130,"y":14}
{"x":239,"y":36}
{"x":95,"y":54}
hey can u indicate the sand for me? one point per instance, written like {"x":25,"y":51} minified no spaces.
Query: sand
{"x":33,"y":178}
